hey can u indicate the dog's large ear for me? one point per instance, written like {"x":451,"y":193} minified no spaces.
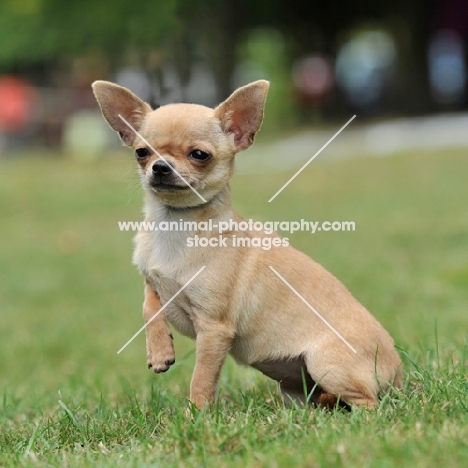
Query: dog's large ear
{"x":115,"y":100}
{"x":242,"y":113}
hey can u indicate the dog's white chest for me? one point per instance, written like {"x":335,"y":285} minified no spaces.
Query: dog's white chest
{"x":161,"y":253}
{"x":162,"y":258}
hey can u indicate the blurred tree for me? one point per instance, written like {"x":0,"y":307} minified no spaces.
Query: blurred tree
{"x":216,"y":27}
{"x":47,"y":30}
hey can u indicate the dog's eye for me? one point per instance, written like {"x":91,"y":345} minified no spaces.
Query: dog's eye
{"x":142,"y":153}
{"x":199,"y":155}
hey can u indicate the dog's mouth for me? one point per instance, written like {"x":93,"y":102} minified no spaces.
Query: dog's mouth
{"x":164,"y":187}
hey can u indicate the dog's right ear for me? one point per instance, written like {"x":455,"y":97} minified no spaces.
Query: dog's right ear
{"x":118,"y":103}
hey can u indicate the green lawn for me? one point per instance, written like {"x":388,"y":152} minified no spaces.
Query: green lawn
{"x":70,"y":298}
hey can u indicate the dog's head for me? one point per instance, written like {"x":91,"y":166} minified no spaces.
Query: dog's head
{"x":178,"y":145}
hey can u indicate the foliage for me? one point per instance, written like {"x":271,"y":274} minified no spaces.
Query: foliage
{"x":45,"y":30}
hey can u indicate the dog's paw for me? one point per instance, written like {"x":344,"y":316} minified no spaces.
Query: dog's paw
{"x":160,"y":353}
{"x":201,"y":400}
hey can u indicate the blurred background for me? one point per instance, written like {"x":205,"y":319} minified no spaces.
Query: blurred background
{"x":326,"y":61}
{"x":69,"y":295}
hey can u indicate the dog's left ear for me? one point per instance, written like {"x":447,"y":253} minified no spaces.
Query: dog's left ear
{"x":242,"y":113}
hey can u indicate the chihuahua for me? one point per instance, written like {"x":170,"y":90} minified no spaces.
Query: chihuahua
{"x":264,"y":317}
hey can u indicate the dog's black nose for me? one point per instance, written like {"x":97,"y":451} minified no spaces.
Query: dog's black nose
{"x":162,"y":168}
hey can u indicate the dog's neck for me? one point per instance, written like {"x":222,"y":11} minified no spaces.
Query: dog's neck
{"x":218,"y":208}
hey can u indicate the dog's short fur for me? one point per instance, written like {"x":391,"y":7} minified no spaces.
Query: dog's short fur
{"x":237,"y":304}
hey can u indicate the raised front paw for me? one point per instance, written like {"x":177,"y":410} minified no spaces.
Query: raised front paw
{"x":160,"y":352}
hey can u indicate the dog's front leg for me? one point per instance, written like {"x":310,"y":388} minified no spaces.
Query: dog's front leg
{"x":212,"y":345}
{"x":159,"y":347}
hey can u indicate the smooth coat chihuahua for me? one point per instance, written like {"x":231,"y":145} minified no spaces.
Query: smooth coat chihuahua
{"x":237,"y":304}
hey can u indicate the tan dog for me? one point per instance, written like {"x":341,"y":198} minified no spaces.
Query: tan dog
{"x":237,"y":304}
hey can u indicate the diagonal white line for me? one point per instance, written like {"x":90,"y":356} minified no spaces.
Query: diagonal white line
{"x":312,"y":158}
{"x":161,"y":309}
{"x":159,"y":156}
{"x":313,"y":310}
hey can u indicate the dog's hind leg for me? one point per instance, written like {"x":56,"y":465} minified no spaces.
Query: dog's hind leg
{"x":342,"y":381}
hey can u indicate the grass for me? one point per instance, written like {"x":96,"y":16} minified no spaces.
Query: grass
{"x":70,"y":298}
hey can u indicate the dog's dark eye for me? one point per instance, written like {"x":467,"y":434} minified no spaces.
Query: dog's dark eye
{"x":142,"y":153}
{"x":199,"y":155}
